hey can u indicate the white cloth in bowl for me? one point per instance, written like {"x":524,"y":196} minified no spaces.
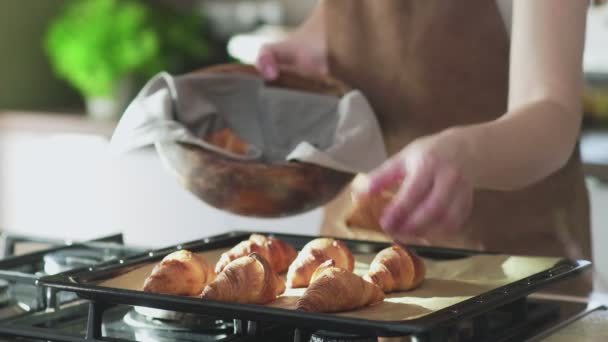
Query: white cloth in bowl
{"x":280,"y":124}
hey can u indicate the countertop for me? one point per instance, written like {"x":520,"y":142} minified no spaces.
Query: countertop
{"x":37,"y":122}
{"x":592,"y":327}
{"x":598,"y":171}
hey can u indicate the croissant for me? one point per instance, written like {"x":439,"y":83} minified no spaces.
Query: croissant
{"x":396,"y":269}
{"x":226,"y":139}
{"x":367,"y":210}
{"x":180,"y":273}
{"x":314,"y":254}
{"x":334,"y":289}
{"x":246,"y":280}
{"x":278,"y":253}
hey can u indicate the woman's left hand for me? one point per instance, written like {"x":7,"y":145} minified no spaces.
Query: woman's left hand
{"x":435,"y":196}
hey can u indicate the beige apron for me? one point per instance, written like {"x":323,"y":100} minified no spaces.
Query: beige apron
{"x":426,"y":65}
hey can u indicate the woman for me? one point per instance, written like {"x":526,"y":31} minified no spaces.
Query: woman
{"x":482,"y":130}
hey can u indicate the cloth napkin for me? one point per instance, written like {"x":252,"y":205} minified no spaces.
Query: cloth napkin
{"x":279,"y":124}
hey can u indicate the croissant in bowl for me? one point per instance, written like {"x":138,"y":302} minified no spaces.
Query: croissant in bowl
{"x":227,"y":140}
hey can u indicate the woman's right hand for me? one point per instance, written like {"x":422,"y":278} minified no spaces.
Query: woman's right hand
{"x":303,"y":51}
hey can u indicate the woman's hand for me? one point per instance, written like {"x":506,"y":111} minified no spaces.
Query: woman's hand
{"x":302,"y":51}
{"x":435,"y":195}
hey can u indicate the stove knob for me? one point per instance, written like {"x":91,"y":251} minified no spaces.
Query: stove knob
{"x":328,"y":336}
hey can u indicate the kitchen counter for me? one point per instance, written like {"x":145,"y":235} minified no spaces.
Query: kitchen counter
{"x":592,"y":327}
{"x":578,"y":323}
{"x":597,"y":171}
{"x":594,"y":153}
{"x":51,"y":123}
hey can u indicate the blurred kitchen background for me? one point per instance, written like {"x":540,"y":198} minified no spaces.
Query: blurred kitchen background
{"x":68,"y":68}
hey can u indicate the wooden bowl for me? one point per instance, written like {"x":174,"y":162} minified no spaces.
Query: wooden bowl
{"x":252,"y":188}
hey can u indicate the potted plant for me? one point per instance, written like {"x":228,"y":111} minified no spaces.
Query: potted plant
{"x":101,"y":46}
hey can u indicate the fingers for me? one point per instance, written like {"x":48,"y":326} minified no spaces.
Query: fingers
{"x":390,"y":173}
{"x":434,"y":207}
{"x":414,"y":190}
{"x":272,"y":56}
{"x":429,"y":202}
{"x":267,"y":64}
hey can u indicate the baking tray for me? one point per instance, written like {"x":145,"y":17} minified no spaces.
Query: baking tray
{"x":86,"y":283}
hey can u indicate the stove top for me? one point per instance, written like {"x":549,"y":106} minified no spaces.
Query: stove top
{"x":34,"y":313}
{"x":124,"y":323}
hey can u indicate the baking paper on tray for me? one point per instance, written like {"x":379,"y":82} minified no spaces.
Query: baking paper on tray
{"x":446,"y":283}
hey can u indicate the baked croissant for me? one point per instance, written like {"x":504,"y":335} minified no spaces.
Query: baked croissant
{"x":278,"y":253}
{"x":246,"y":280}
{"x":180,"y":273}
{"x":226,"y":139}
{"x":367,"y":210}
{"x":334,"y":289}
{"x":314,"y":254}
{"x":396,"y":269}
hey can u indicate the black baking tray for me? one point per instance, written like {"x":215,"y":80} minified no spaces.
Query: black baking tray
{"x":83,"y":282}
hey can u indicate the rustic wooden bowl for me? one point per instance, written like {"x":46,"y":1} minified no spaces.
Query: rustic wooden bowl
{"x":253,"y":188}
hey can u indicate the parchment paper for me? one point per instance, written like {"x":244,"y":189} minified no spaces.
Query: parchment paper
{"x":446,"y":283}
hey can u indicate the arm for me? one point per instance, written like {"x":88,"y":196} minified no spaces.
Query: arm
{"x":538,"y":133}
{"x":532,"y":140}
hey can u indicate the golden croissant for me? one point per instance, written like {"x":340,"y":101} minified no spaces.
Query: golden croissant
{"x":367,"y":210}
{"x":314,"y":254}
{"x":396,"y":269}
{"x":246,"y":280}
{"x":278,"y":253}
{"x":227,"y":140}
{"x":180,"y":273}
{"x":334,"y":289}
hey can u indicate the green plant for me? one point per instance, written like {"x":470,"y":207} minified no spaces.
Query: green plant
{"x":93,"y":44}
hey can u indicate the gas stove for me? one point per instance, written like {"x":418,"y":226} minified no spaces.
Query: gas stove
{"x":31,"y":312}
{"x":125,"y":323}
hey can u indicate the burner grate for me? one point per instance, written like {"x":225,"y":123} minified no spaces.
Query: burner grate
{"x":507,"y":323}
{"x":25,"y":270}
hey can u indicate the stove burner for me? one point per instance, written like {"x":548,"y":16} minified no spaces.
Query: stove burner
{"x":9,"y":307}
{"x":150,"y":318}
{"x":68,"y":259}
{"x":329,"y":336}
{"x":5,"y":296}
